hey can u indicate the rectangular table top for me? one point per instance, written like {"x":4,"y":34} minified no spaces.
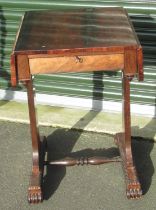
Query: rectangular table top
{"x":92,"y":29}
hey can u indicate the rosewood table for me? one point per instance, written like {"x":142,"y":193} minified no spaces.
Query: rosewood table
{"x":83,"y":40}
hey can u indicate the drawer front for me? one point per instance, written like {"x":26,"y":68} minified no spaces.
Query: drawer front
{"x":76,"y":63}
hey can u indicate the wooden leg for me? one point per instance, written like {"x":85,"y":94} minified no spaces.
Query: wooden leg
{"x":38,"y":146}
{"x":123,"y":140}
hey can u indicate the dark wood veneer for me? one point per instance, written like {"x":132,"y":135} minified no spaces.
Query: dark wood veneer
{"x":73,"y":41}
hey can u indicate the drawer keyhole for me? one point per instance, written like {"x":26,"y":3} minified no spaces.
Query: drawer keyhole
{"x":79,"y":59}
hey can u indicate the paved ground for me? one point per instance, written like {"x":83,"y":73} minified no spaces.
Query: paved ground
{"x":88,"y":187}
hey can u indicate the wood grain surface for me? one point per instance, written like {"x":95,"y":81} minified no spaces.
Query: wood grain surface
{"x":75,"y":29}
{"x":76,"y":63}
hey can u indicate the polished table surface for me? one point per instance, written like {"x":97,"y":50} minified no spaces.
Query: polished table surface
{"x":80,"y":29}
{"x":96,"y":39}
{"x":97,"y":31}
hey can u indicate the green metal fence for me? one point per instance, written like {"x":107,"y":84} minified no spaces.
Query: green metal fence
{"x":87,"y":85}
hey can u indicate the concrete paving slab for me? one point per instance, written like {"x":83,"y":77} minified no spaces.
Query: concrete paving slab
{"x":74,"y":188}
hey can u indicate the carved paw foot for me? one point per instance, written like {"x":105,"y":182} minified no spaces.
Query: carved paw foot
{"x":35,"y":194}
{"x":134,"y":190}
